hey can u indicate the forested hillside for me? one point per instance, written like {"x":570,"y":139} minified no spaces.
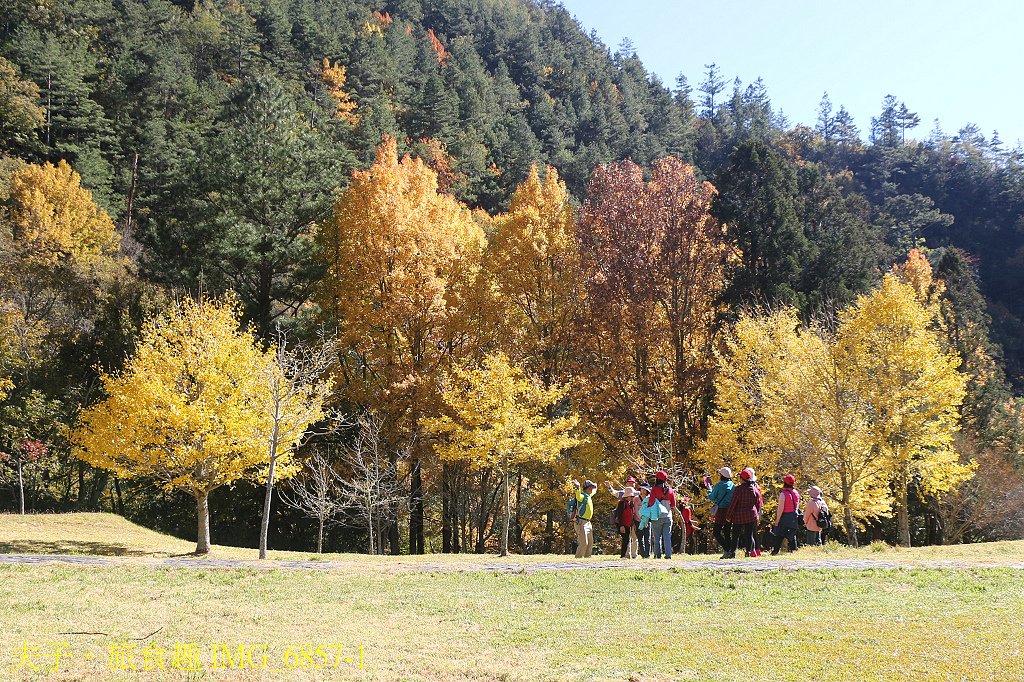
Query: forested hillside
{"x":217,"y":135}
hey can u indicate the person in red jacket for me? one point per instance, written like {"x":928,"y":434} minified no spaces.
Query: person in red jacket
{"x":744,"y":514}
{"x":689,"y":525}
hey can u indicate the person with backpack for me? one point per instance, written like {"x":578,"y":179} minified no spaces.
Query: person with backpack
{"x":787,"y":516}
{"x":744,"y":513}
{"x":623,"y":519}
{"x":721,"y":496}
{"x":582,"y":514}
{"x":660,"y":504}
{"x":817,"y":518}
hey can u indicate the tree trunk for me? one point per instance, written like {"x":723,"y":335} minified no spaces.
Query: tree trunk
{"x":508,"y":512}
{"x":81,"y":486}
{"x":99,"y":484}
{"x":851,"y":530}
{"x":21,"y":491}
{"x":320,"y":537}
{"x":902,"y":512}
{"x":519,"y":524}
{"x":482,"y":516}
{"x":203,"y":514}
{"x":549,"y":531}
{"x":447,"y":529}
{"x":370,"y":521}
{"x":120,"y":499}
{"x":265,"y":521}
{"x":416,"y":508}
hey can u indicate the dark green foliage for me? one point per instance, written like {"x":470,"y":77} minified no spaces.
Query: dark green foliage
{"x":967,"y":325}
{"x":758,"y":200}
{"x":845,"y":250}
{"x":262,"y":180}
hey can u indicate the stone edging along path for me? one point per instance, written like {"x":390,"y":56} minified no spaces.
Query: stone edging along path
{"x":756,"y":565}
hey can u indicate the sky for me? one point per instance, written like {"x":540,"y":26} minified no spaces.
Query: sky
{"x":955,"y":61}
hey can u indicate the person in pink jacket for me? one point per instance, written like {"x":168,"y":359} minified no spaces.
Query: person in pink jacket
{"x":787,"y":517}
{"x":813,"y":516}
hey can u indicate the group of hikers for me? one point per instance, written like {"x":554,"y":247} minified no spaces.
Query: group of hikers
{"x":643,"y":515}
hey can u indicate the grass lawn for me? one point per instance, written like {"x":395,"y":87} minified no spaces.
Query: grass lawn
{"x":910,"y":623}
{"x":907,"y":624}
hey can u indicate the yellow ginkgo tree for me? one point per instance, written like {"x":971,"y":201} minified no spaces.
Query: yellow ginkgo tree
{"x":190,"y":408}
{"x":861,"y":407}
{"x":912,"y":387}
{"x":748,"y":427}
{"x":496,"y":415}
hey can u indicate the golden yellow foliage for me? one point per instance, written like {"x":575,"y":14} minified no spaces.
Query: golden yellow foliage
{"x":495,"y":415}
{"x":532,"y":266}
{"x":401,"y":261}
{"x":55,"y":218}
{"x":747,"y":428}
{"x":189,"y":409}
{"x":20,"y":112}
{"x":334,"y":77}
{"x":8,"y":346}
{"x":873,"y":404}
{"x":911,"y":385}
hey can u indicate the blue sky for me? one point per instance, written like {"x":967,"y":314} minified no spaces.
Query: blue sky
{"x":955,"y":61}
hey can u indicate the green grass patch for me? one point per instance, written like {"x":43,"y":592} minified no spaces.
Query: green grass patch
{"x":919,"y":624}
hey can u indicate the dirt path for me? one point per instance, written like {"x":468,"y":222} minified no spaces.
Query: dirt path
{"x":511,"y":566}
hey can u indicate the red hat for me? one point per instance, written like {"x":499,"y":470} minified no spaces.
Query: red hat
{"x":630,"y":480}
{"x":788,"y":479}
{"x":748,"y":474}
{"x":660,"y":475}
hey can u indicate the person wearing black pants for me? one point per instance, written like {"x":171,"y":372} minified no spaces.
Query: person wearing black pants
{"x":643,"y":535}
{"x":744,"y":513}
{"x":787,"y":518}
{"x":628,"y":547}
{"x":627,"y":525}
{"x":743,"y":537}
{"x":723,"y":531}
{"x":721,"y":497}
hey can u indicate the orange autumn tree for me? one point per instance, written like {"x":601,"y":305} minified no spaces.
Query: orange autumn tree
{"x":532,"y":265}
{"x":55,"y":219}
{"x":654,"y":266}
{"x":532,"y":269}
{"x":401,"y":260}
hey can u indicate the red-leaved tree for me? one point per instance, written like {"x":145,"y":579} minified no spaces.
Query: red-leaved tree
{"x":654,"y":266}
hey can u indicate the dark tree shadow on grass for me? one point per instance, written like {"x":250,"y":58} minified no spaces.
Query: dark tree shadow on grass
{"x":71,"y":547}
